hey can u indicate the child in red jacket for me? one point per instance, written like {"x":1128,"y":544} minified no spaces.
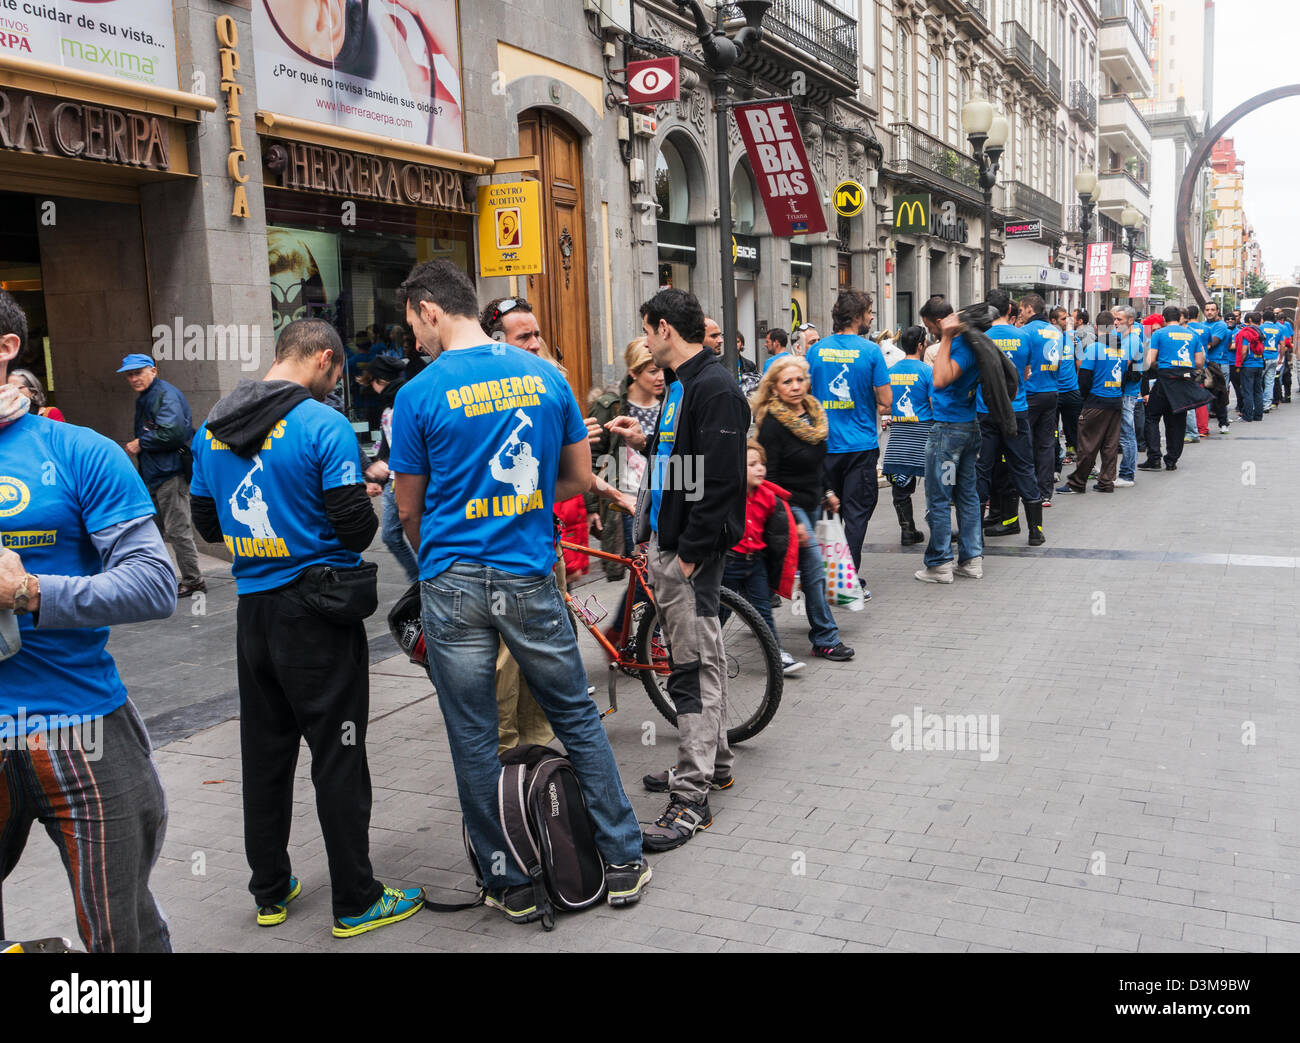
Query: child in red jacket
{"x":767,"y":558}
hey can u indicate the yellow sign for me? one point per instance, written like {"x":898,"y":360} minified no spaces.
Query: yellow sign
{"x":850,"y":198}
{"x":912,"y":212}
{"x":228,"y":37}
{"x":510,"y":229}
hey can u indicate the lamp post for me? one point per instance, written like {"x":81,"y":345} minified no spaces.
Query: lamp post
{"x":1131,"y":220}
{"x":720,"y":53}
{"x":1085,"y":184}
{"x":986,"y":130}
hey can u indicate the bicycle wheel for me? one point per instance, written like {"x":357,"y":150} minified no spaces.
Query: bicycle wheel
{"x":753,"y":661}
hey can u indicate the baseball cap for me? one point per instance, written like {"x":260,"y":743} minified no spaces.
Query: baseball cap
{"x":136,"y":361}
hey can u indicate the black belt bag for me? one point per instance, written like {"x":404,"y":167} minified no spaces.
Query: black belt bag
{"x":340,"y":595}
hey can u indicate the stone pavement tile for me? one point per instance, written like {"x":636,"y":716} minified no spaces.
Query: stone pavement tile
{"x":678,"y":941}
{"x":909,"y":941}
{"x":1234,"y":941}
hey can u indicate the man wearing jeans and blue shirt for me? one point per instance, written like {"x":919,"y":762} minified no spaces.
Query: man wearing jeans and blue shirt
{"x":1130,"y":349}
{"x":485,"y":441}
{"x":951,"y":451}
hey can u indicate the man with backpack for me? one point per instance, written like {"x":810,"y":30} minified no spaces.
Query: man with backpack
{"x":163,"y":429}
{"x":485,"y":442}
{"x":1174,"y":352}
{"x":1249,"y":347}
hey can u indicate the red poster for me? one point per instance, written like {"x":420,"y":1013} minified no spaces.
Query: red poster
{"x":1140,"y":283}
{"x":780,"y":164}
{"x":1096,"y":268}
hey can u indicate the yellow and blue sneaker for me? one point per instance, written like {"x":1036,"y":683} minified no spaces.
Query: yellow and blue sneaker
{"x":393,"y":905}
{"x":270,"y":915}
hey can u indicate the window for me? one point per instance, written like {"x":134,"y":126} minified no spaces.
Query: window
{"x":904,"y":62}
{"x":671,"y":186}
{"x":936,"y":96}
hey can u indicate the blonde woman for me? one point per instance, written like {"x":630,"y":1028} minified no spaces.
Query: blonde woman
{"x":792,"y":431}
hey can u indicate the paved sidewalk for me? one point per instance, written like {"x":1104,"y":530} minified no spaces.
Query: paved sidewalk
{"x":1124,"y":811}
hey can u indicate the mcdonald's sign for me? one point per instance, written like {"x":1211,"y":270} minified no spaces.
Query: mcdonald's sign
{"x":912,"y":213}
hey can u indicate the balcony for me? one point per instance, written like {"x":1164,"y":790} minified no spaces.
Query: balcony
{"x":814,"y":28}
{"x":1121,"y":127}
{"x":918,"y":153}
{"x":1027,"y":204}
{"x":1040,"y":65}
{"x":1017,"y":47}
{"x":1083,"y":105}
{"x":1054,"y":80}
{"x":975,"y":18}
{"x":1124,"y":44}
{"x":1117,"y":189}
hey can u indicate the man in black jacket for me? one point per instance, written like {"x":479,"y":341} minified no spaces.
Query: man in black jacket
{"x":277,"y":477}
{"x":692,"y":510}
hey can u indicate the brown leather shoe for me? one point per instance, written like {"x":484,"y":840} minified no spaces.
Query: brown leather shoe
{"x":184,"y":590}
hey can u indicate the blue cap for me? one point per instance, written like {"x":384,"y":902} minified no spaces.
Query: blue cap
{"x":136,"y":361}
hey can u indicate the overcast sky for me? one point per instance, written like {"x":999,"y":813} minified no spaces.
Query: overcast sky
{"x":1254,"y":49}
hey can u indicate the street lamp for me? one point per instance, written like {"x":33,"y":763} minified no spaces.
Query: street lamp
{"x":720,"y":53}
{"x":986,"y":130}
{"x":1131,"y":219}
{"x":1085,"y":184}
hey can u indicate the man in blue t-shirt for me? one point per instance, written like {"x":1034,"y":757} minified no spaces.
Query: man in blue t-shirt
{"x":777,"y":342}
{"x":1218,"y":353}
{"x":850,"y":379}
{"x":1274,"y":338}
{"x":1126,"y":337}
{"x":1068,"y":398}
{"x":1174,"y":351}
{"x":278,"y":479}
{"x":1045,"y":349}
{"x":951,"y":451}
{"x":79,"y":551}
{"x":1006,"y":465}
{"x":485,"y":441}
{"x":1101,"y":378}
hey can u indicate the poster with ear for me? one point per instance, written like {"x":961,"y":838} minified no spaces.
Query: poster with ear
{"x":127,"y":39}
{"x":386,"y":67}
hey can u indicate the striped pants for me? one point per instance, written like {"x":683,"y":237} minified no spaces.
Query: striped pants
{"x":104,"y":809}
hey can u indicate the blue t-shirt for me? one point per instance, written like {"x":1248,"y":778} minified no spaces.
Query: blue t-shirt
{"x":955,"y":404}
{"x":486,"y":425}
{"x":1249,"y":359}
{"x":768,"y":364}
{"x":1044,"y":342}
{"x":1067,"y":372}
{"x":58,"y":484}
{"x":272,"y":505}
{"x":846,"y":370}
{"x":912,"y":382}
{"x":1273,"y":337}
{"x":659,"y":474}
{"x":1107,"y":366}
{"x":1176,"y":347}
{"x":1013,"y":344}
{"x":1222,"y":352}
{"x":1133,"y":352}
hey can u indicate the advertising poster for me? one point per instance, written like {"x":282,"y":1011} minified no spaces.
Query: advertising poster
{"x":780,"y":164}
{"x":127,"y":39}
{"x":386,"y":67}
{"x":1096,"y":268}
{"x":510,"y":229}
{"x":1140,"y":282}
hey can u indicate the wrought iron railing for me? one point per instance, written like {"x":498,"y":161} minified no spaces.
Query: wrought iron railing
{"x":1028,"y":203}
{"x":1083,"y":103}
{"x":1040,"y":64}
{"x":1054,"y":79}
{"x":816,"y":27}
{"x":979,"y":9}
{"x":1017,"y":45}
{"x":1129,"y":12}
{"x":916,"y":152}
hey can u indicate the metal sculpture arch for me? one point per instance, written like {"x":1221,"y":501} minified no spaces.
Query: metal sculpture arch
{"x":1201,"y":153}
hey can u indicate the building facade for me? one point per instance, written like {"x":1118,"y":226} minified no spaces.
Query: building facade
{"x":1225,"y":243}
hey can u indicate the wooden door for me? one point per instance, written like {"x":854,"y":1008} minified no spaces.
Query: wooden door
{"x":560,"y":296}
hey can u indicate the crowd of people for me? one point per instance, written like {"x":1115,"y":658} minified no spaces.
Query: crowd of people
{"x":720,"y":477}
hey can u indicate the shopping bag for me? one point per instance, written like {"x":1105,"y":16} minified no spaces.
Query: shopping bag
{"x":842,"y":589}
{"x":798,"y":608}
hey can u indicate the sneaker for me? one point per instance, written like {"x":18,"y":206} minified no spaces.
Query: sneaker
{"x":393,"y":905}
{"x":1223,"y":429}
{"x":866,"y":594}
{"x":936,"y":573}
{"x":518,"y":903}
{"x":840,"y":653}
{"x":276,"y":913}
{"x":1047,"y":503}
{"x":1068,"y":490}
{"x":1150,"y":465}
{"x":1189,"y":439}
{"x":676,"y":825}
{"x":660,"y":782}
{"x":1171,"y":467}
{"x":972,"y":568}
{"x":789,"y":665}
{"x":1124,"y":483}
{"x":624,"y":884}
{"x":1268,"y":409}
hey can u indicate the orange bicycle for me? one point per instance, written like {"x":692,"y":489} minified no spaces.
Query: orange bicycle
{"x":753,"y":661}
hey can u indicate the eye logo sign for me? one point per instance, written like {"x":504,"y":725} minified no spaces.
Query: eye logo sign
{"x":653,"y":81}
{"x":14,"y":496}
{"x":509,"y":228}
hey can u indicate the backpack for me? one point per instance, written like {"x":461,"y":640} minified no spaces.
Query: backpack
{"x":548,"y":831}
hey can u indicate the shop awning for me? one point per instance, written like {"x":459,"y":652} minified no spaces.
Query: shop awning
{"x":295,"y":129}
{"x":79,"y":85}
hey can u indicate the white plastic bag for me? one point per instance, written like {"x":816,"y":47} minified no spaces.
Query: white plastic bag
{"x":842,"y":589}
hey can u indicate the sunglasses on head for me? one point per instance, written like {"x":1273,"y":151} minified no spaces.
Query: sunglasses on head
{"x":507,"y":306}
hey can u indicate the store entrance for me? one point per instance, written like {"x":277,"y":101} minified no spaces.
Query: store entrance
{"x":20,"y":276}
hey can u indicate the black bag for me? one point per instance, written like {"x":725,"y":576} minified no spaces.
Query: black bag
{"x":341,"y":595}
{"x":548,"y":831}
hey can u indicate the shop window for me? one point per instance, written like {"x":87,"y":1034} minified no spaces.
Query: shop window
{"x":743,"y":210}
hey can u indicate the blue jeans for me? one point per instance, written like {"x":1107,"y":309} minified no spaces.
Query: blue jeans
{"x":1270,"y":376}
{"x":822,"y":629}
{"x":950,"y":454}
{"x":390,"y":531}
{"x":461,"y":630}
{"x":1128,"y":445}
{"x":1192,"y":430}
{"x":1252,"y":392}
{"x":748,"y":578}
